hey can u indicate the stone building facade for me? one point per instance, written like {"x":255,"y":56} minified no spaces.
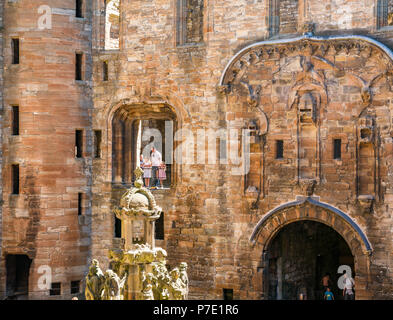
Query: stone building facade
{"x":285,"y":114}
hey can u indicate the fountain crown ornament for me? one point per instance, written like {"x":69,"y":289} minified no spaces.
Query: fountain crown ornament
{"x":138,"y":201}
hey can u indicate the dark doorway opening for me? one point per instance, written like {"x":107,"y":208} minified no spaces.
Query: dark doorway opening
{"x":18,"y":269}
{"x":299,"y":256}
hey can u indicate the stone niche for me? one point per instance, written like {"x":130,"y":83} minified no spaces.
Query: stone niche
{"x":366,"y":162}
{"x":312,"y":91}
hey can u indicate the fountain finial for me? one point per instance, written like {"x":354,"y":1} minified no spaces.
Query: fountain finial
{"x":138,"y":177}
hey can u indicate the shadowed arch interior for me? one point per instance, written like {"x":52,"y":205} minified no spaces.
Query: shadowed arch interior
{"x":297,"y":258}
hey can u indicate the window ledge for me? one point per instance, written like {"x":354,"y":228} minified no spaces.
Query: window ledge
{"x":110,"y":51}
{"x":191,"y":45}
{"x":385,"y":28}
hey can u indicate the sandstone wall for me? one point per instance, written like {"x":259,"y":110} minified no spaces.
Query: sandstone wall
{"x":208,"y":220}
{"x":42,"y":221}
{"x":208,"y":216}
{"x":2,"y":106}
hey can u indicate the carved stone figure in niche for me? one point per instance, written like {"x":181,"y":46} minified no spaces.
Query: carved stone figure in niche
{"x":94,"y":282}
{"x":112,"y":286}
{"x":307,"y":186}
{"x":366,"y":96}
{"x":161,"y":282}
{"x":147,"y":285}
{"x":178,"y":288}
{"x":366,"y":161}
{"x":184,"y":277}
{"x":307,"y":108}
{"x":366,"y":129}
{"x":308,"y":28}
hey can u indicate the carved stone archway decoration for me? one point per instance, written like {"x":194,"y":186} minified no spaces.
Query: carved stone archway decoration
{"x":306,"y":70}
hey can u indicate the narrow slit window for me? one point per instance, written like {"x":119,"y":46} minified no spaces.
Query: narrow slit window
{"x":117,"y":227}
{"x":15,"y":179}
{"x":97,"y":143}
{"x":78,"y":143}
{"x":15,"y":120}
{"x":55,"y":289}
{"x":227,"y":294}
{"x":79,"y":7}
{"x":75,"y":287}
{"x":279,"y":149}
{"x":159,"y":227}
{"x":105,"y":71}
{"x":337,"y":149}
{"x":78,"y":66}
{"x":15,"y":51}
{"x":80,"y":208}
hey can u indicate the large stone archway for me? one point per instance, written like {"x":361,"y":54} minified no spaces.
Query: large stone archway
{"x":309,"y":208}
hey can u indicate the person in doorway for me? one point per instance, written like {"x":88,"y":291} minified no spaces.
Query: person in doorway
{"x":146,"y":166}
{"x":349,"y":284}
{"x":156,"y":159}
{"x":326,"y":282}
{"x":162,"y":173}
{"x":328,"y":294}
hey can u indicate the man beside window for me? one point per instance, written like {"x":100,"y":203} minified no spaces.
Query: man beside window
{"x":156,"y":158}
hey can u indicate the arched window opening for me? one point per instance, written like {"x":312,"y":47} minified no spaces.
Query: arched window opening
{"x":144,"y":136}
{"x":112,"y":24}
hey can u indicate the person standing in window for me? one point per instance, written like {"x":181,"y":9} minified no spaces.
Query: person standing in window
{"x":162,"y":173}
{"x":156,"y":159}
{"x":146,"y":166}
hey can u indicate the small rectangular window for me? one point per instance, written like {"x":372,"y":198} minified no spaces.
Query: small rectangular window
{"x":279,"y":149}
{"x":78,"y":66}
{"x":337,"y":149}
{"x":78,"y":143}
{"x":15,"y":51}
{"x":105,"y":71}
{"x":79,"y":9}
{"x":15,"y":179}
{"x":15,"y":120}
{"x":159,"y":227}
{"x":227,"y":294}
{"x":117,"y":227}
{"x":55,"y":289}
{"x":97,"y":143}
{"x":80,"y":208}
{"x":75,"y":287}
